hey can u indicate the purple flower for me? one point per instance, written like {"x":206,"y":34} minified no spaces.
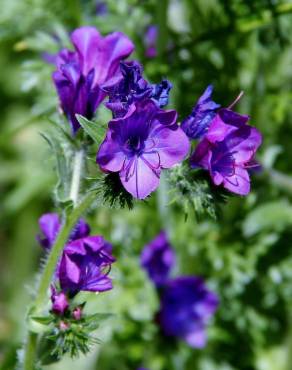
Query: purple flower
{"x":81,"y":74}
{"x":197,"y":123}
{"x":59,"y":301}
{"x":158,"y":258}
{"x":50,"y":225}
{"x":132,"y":87}
{"x":101,"y":8}
{"x":186,"y":307}
{"x":141,"y":144}
{"x":150,"y":41}
{"x":85,"y":265}
{"x":227,"y":151}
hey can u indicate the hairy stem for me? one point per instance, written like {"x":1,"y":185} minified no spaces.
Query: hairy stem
{"x":49,"y":270}
{"x":30,"y":349}
{"x":76,"y":176}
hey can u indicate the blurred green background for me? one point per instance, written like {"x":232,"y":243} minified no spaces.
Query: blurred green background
{"x":245,"y":255}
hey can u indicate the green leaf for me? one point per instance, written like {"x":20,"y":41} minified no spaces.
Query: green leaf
{"x":95,"y":130}
{"x":270,"y":216}
{"x":63,"y":149}
{"x":44,"y":320}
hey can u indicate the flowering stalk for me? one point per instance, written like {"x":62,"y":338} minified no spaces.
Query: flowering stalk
{"x":49,"y":271}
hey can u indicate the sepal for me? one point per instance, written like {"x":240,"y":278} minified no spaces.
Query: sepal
{"x":67,"y":335}
{"x":193,"y":190}
{"x":110,"y":191}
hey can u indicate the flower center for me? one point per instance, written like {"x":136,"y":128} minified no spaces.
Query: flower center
{"x":135,"y":145}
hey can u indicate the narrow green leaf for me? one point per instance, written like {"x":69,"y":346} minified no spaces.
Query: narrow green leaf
{"x":94,"y":130}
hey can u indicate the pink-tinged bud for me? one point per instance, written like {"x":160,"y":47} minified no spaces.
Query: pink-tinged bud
{"x":63,"y":326}
{"x":77,"y":313}
{"x":59,"y":301}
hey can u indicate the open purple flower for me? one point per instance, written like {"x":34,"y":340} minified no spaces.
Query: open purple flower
{"x":197,"y":123}
{"x":158,"y":258}
{"x":50,"y":225}
{"x":59,"y":301}
{"x":132,"y":87}
{"x":228,"y":150}
{"x":141,"y":144}
{"x":81,"y":74}
{"x":186,"y":307}
{"x":85,"y":265}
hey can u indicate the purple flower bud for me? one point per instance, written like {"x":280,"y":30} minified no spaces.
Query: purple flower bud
{"x":132,"y":87}
{"x":59,"y":302}
{"x":158,"y":258}
{"x":85,"y":265}
{"x":142,"y":143}
{"x":227,"y":151}
{"x":197,"y":123}
{"x":186,"y":307}
{"x":81,"y":74}
{"x":77,"y":313}
{"x":50,"y":225}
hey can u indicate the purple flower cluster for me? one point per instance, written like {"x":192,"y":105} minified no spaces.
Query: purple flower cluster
{"x":186,"y":304}
{"x":227,"y":144}
{"x":81,"y":73}
{"x":143,"y":139}
{"x":227,"y":151}
{"x":84,"y":265}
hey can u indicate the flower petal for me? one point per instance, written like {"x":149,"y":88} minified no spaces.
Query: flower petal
{"x":87,"y":41}
{"x":143,"y":181}
{"x":239,"y":183}
{"x":172,"y":145}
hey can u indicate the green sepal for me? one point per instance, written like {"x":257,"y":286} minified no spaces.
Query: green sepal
{"x":193,"y":190}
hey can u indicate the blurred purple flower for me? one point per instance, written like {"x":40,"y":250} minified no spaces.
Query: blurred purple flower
{"x":158,"y":258}
{"x":141,"y":144}
{"x":186,"y":307}
{"x":85,"y":265}
{"x":50,"y":225}
{"x":81,"y":74}
{"x":197,"y":123}
{"x":132,"y":87}
{"x":228,"y":151}
{"x":59,"y":301}
{"x":151,"y":41}
{"x":101,"y":8}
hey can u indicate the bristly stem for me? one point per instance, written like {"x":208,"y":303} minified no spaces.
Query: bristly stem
{"x":76,"y":175}
{"x":49,"y":270}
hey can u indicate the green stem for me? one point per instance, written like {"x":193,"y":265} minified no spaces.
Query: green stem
{"x":30,"y":350}
{"x":161,"y":14}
